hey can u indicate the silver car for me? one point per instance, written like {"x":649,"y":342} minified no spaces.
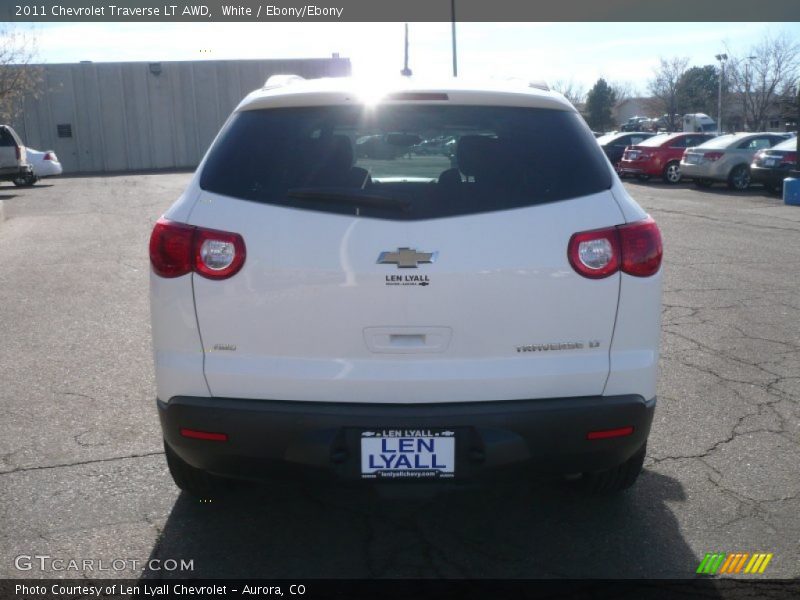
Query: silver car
{"x":726,"y":158}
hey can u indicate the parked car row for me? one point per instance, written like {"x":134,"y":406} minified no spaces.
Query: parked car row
{"x":735,"y":159}
{"x":24,"y":166}
{"x":688,"y":123}
{"x":660,"y":156}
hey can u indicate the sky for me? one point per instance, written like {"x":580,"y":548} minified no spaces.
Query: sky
{"x":579,"y":52}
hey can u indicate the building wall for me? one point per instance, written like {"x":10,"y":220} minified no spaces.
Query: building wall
{"x":125,"y":117}
{"x":631,"y":107}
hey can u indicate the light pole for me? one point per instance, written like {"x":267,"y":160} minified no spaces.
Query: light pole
{"x":721,"y":58}
{"x":406,"y":72}
{"x":747,"y":89}
{"x":453,"y":29}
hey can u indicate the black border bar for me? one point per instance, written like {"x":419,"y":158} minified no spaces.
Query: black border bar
{"x":398,"y":10}
{"x":389,"y":589}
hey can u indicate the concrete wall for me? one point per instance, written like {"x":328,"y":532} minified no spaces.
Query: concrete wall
{"x":632,"y":107}
{"x":125,"y":117}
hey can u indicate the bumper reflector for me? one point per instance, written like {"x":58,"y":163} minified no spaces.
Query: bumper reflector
{"x":609,"y":433}
{"x":204,"y":435}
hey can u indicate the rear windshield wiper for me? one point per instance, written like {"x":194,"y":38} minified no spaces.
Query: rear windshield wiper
{"x":352,"y":197}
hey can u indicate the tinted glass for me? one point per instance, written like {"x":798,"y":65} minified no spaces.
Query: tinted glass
{"x":406,"y":162}
{"x":696,"y":140}
{"x":757,"y":143}
{"x":656,"y":140}
{"x":722,"y":141}
{"x":6,"y":139}
{"x":681,"y":142}
{"x":607,"y":138}
{"x":790,"y":145}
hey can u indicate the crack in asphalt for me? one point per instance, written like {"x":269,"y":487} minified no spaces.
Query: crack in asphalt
{"x":80,"y":463}
{"x":729,"y":221}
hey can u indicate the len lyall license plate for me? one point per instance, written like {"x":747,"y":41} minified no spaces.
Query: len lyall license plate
{"x":408,"y":454}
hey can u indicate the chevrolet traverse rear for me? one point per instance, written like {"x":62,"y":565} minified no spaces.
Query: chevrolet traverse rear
{"x":411,"y":316}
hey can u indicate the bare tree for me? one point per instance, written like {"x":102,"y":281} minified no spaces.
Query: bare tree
{"x":665,"y":89}
{"x":19,"y":78}
{"x":572,"y":91}
{"x":622,"y":90}
{"x":759,"y":78}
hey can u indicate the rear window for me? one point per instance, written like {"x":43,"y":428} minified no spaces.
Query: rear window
{"x":656,"y":140}
{"x":790,"y":144}
{"x":722,"y":141}
{"x":609,"y":137}
{"x":406,"y":162}
{"x":7,"y":138}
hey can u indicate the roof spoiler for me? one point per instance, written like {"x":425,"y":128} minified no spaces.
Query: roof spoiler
{"x":539,"y":85}
{"x":276,"y":81}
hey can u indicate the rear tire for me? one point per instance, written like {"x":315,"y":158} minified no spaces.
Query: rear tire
{"x":703,"y":183}
{"x":191,"y":480}
{"x":28,"y":180}
{"x":672,"y":172}
{"x":615,"y":479}
{"x":775,"y":189}
{"x":739,"y":178}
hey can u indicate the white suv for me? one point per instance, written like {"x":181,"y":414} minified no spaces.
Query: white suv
{"x":404,"y":314}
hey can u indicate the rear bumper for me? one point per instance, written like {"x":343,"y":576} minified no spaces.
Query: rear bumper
{"x":769,"y":176}
{"x":268,"y":438}
{"x":12,"y":173}
{"x":718,"y":171}
{"x":629,"y":167}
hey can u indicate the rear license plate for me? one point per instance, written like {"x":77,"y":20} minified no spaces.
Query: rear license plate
{"x":692,"y":159}
{"x":633,"y":155}
{"x":770,"y":162}
{"x":408,"y":454}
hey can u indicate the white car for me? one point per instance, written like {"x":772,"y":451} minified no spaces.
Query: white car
{"x":44,"y":164}
{"x":435,"y":317}
{"x":13,"y":160}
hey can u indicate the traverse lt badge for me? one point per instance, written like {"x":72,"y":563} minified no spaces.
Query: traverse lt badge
{"x":406,"y":258}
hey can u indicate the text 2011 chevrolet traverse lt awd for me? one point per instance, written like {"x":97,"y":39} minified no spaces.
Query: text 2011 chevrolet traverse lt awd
{"x":411,"y":315}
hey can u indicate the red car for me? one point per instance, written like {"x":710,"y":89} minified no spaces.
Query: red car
{"x":660,"y":156}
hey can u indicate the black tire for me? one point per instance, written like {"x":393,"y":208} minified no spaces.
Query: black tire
{"x":191,"y":480}
{"x":672,"y":172}
{"x":613,"y":480}
{"x":28,"y":180}
{"x":739,"y":178}
{"x":703,"y":183}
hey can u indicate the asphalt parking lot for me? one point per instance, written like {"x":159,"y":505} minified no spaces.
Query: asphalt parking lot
{"x":83,"y":476}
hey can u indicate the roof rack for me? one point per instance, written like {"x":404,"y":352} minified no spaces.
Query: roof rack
{"x":276,"y":81}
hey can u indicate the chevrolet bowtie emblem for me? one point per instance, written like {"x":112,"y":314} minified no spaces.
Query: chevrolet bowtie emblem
{"x":406,"y":258}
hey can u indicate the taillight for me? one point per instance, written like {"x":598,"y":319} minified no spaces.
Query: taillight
{"x":210,"y":436}
{"x":177,"y":249}
{"x":19,"y":152}
{"x":49,"y":156}
{"x":634,"y":249}
{"x":218,"y":254}
{"x":641,"y":248}
{"x":789,"y":159}
{"x":605,"y":434}
{"x":595,"y":254}
{"x":712,"y":156}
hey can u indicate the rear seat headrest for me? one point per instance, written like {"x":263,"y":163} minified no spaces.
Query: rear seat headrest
{"x":334,"y":153}
{"x":474,"y":153}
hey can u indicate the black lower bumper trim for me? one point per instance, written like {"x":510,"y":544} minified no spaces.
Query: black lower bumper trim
{"x":271,"y":437}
